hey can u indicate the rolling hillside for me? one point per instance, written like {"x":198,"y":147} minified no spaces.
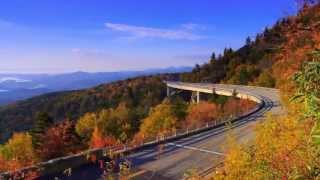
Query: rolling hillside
{"x":139,"y":93}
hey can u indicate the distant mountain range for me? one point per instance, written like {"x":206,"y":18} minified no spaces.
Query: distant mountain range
{"x":14,"y":87}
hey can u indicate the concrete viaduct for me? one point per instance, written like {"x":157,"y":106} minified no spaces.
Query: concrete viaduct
{"x":219,"y":89}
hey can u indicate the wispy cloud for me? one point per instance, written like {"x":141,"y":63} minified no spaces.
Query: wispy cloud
{"x":88,"y":51}
{"x":6,"y":24}
{"x":150,"y":32}
{"x":193,"y":26}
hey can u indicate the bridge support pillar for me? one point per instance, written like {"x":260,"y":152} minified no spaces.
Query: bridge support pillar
{"x":168,"y":91}
{"x":195,"y":97}
{"x":198,"y":97}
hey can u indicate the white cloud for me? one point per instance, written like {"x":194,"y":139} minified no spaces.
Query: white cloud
{"x":150,"y":32}
{"x":193,"y":26}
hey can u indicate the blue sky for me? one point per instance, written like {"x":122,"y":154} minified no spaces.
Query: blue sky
{"x":54,"y":36}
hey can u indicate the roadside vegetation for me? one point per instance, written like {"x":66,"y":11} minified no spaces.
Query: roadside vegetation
{"x":287,"y":147}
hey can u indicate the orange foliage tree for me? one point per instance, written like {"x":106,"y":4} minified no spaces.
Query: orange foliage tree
{"x":231,"y":107}
{"x":98,"y":140}
{"x":246,"y":105}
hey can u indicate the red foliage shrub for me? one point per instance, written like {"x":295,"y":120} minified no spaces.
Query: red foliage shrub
{"x":59,"y":140}
{"x":201,"y":113}
{"x":235,"y":107}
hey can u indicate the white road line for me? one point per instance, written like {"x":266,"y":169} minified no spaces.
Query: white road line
{"x":196,"y":149}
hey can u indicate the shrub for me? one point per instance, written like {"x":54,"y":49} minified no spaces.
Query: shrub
{"x":199,"y":114}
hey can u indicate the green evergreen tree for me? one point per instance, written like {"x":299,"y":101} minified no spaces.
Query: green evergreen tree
{"x":42,"y":123}
{"x":248,"y":41}
{"x":213,"y":57}
{"x":243,"y":76}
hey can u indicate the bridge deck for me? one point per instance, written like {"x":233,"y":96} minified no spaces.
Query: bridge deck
{"x":243,"y":92}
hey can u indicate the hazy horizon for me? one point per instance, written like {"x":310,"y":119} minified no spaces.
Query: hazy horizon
{"x":83,"y":71}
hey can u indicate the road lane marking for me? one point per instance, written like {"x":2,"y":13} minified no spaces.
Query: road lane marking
{"x":196,"y":149}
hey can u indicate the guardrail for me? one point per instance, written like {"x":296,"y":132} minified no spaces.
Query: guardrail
{"x":60,"y":164}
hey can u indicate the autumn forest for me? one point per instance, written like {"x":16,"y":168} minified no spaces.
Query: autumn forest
{"x":285,"y":56}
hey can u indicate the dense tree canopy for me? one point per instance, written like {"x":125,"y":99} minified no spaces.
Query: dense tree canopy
{"x":121,"y":111}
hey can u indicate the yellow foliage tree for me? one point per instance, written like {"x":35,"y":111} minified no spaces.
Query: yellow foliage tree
{"x":117,"y":122}
{"x":161,"y":120}
{"x":280,"y":151}
{"x":17,"y":152}
{"x":86,"y":124}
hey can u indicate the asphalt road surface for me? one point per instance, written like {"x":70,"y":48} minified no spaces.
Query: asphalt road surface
{"x":199,"y":152}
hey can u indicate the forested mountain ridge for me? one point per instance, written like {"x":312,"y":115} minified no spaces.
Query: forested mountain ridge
{"x":259,"y":60}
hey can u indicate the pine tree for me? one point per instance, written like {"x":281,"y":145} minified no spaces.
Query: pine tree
{"x":42,"y":123}
{"x":248,"y":41}
{"x":213,"y":57}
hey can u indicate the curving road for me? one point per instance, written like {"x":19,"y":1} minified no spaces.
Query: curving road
{"x":200,"y":151}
